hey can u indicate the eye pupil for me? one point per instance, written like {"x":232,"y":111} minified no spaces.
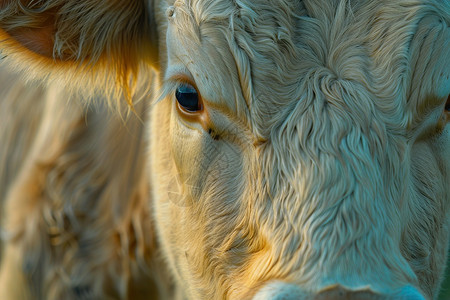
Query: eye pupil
{"x":187,"y":97}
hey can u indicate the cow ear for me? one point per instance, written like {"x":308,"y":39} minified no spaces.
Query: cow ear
{"x":82,"y":39}
{"x":430,"y":64}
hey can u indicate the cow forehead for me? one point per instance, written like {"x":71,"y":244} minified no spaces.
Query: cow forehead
{"x":209,"y":64}
{"x":272,"y":55}
{"x":224,"y":39}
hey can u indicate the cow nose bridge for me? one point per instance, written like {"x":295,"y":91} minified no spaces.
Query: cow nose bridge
{"x":285,"y":291}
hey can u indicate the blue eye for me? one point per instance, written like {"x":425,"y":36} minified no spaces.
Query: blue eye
{"x":187,"y":97}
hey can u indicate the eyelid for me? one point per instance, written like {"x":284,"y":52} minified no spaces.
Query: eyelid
{"x":172,"y":79}
{"x":180,"y":74}
{"x":182,"y":78}
{"x":176,"y":77}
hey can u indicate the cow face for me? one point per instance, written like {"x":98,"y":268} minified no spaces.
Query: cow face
{"x":303,"y":149}
{"x":298,"y":150}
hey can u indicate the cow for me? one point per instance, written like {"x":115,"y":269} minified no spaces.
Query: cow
{"x":213,"y":149}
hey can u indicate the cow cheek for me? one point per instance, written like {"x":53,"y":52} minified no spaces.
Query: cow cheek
{"x":165,"y":197}
{"x":427,"y":225}
{"x":175,"y":172}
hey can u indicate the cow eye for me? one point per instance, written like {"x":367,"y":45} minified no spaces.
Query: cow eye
{"x":187,"y":97}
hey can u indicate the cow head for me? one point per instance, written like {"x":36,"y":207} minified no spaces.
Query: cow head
{"x":299,"y":149}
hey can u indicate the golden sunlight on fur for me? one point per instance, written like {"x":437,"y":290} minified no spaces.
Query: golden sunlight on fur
{"x":213,"y":149}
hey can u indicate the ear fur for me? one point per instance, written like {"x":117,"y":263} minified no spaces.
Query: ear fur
{"x":87,"y":43}
{"x":430,"y":61}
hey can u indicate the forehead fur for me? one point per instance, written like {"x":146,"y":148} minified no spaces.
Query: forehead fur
{"x":289,"y":52}
{"x":328,"y":84}
{"x":259,"y":36}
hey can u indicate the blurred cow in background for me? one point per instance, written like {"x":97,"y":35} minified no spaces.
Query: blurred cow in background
{"x":257,"y":149}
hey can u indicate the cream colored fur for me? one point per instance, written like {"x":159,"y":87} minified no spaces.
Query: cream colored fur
{"x":320,"y":159}
{"x":76,"y":216}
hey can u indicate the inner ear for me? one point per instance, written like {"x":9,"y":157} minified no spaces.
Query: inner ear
{"x":33,"y":28}
{"x":40,"y":40}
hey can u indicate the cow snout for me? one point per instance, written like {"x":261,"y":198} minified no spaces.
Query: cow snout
{"x":284,"y":291}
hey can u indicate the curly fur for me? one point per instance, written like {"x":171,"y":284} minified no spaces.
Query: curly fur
{"x":334,"y":95}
